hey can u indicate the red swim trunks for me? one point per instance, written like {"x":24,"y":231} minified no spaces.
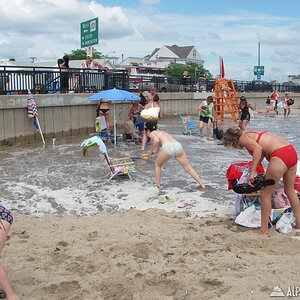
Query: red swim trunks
{"x":287,"y":154}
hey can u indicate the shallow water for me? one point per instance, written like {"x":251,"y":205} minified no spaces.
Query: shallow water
{"x":58,"y":179}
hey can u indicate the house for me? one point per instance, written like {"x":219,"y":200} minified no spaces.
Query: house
{"x":160,"y":58}
{"x":295,"y":79}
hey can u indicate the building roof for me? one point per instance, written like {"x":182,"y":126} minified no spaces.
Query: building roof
{"x":181,"y":52}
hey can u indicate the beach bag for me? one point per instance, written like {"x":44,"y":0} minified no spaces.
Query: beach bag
{"x":290,"y":102}
{"x":297,"y":183}
{"x":150,"y":114}
{"x":250,"y":217}
{"x":285,"y":223}
{"x":218,"y":133}
{"x":280,"y":105}
{"x":279,"y":199}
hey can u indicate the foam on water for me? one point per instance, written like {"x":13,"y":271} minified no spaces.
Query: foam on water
{"x":58,"y":179}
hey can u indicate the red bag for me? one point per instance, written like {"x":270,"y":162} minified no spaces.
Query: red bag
{"x":235,"y":171}
{"x":297,"y":183}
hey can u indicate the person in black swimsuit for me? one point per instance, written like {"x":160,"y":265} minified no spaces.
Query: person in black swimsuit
{"x":103,"y":110}
{"x":244,"y":112}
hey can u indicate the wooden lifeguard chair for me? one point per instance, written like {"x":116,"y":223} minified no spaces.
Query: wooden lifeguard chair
{"x":226,"y":100}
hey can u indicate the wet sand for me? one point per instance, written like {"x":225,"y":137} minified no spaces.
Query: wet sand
{"x":146,"y":255}
{"x":77,"y":237}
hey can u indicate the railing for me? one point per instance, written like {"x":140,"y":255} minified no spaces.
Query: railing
{"x":48,"y":80}
{"x":42,"y":80}
{"x":173,"y":84}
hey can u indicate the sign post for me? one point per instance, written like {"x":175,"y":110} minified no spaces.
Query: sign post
{"x":89,"y":33}
{"x":259,"y":71}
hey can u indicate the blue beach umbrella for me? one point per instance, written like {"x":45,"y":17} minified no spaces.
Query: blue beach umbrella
{"x":114,"y":95}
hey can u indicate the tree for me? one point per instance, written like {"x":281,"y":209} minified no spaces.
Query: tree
{"x":175,"y":69}
{"x":195,"y":70}
{"x":81,"y":54}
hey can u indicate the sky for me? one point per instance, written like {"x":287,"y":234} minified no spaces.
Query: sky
{"x":233,"y":29}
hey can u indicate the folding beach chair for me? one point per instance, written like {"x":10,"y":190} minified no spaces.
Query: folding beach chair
{"x":188,"y":125}
{"x":116,"y":167}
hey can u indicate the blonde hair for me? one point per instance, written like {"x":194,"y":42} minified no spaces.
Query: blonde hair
{"x":231,"y":137}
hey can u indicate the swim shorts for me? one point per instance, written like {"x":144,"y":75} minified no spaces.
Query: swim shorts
{"x":5,"y":215}
{"x":172,"y":148}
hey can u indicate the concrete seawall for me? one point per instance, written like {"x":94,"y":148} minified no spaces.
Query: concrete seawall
{"x":71,"y":114}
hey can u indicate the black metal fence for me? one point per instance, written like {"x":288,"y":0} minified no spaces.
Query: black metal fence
{"x":18,"y":80}
{"x":172,"y":84}
{"x":42,"y":80}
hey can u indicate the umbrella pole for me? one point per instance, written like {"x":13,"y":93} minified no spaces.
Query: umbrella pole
{"x":115,"y":127}
{"x":40,"y":130}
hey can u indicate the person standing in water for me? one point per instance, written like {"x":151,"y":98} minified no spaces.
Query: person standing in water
{"x":206,"y":116}
{"x":244,"y":112}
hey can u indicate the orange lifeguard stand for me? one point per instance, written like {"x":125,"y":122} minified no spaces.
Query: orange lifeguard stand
{"x":226,"y":100}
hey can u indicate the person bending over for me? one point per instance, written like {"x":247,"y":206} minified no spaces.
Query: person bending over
{"x":167,"y":147}
{"x":282,"y":158}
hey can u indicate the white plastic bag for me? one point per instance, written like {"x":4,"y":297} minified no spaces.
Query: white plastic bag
{"x":250,"y":217}
{"x":284,"y":224}
{"x":150,"y":114}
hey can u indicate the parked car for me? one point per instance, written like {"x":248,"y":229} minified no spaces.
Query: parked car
{"x":289,"y":86}
{"x":133,"y":86}
{"x":161,"y":84}
{"x":258,"y":86}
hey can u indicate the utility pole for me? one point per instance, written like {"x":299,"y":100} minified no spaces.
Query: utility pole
{"x":259,"y":54}
{"x":258,"y":76}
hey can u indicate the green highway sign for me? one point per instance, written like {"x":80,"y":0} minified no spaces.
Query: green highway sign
{"x":89,"y":33}
{"x":259,"y":70}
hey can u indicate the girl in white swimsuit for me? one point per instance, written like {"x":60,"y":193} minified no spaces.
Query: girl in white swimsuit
{"x":169,"y":148}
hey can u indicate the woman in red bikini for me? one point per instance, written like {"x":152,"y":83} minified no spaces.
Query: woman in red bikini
{"x":282,"y":159}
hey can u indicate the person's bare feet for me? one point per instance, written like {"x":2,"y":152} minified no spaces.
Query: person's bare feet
{"x":202,"y":187}
{"x":259,"y":233}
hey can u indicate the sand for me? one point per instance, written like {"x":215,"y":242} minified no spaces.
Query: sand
{"x":149,"y":254}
